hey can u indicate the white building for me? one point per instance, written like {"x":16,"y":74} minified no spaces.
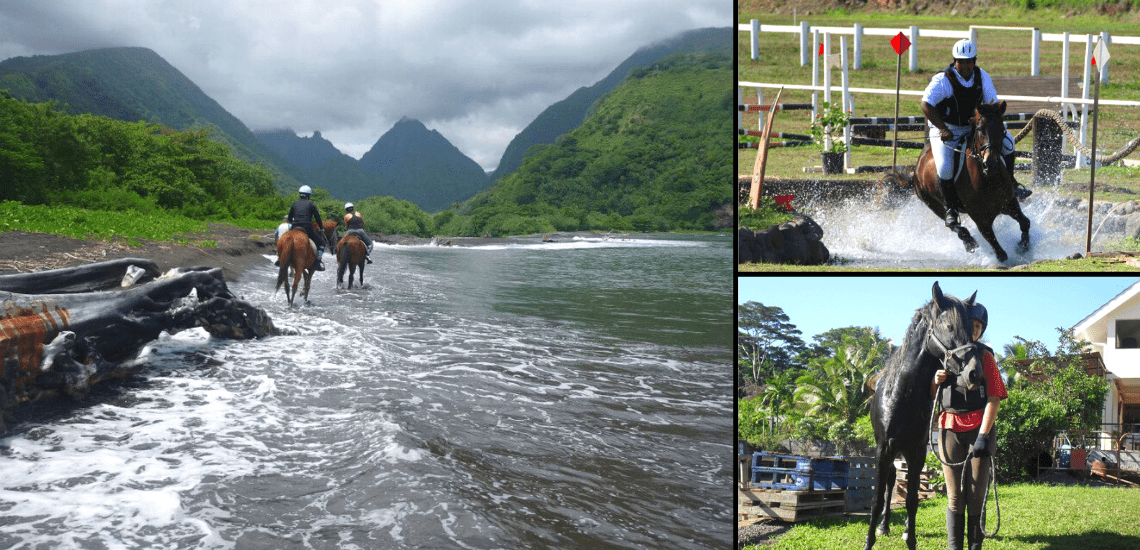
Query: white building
{"x":1114,"y":331}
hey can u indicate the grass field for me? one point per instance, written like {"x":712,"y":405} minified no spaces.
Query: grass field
{"x":1001,"y":53}
{"x":1033,"y":516}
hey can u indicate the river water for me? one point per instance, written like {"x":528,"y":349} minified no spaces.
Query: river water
{"x":566,"y":395}
{"x":904,"y":233}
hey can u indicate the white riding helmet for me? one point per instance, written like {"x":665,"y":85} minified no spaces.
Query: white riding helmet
{"x":965,"y":49}
{"x":348,"y":207}
{"x":305,"y":190}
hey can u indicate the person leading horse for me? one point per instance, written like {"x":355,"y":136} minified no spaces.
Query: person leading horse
{"x":949,"y":103}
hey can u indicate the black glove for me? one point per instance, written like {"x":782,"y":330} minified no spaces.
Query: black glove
{"x":982,"y":446}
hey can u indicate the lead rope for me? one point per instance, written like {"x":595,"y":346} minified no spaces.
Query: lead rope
{"x":962,"y":478}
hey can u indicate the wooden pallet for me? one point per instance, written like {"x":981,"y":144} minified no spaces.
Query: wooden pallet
{"x":790,"y":506}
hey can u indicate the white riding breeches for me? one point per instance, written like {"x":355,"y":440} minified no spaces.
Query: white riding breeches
{"x":944,"y":156}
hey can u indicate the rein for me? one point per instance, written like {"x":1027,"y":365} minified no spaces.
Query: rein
{"x":973,"y":144}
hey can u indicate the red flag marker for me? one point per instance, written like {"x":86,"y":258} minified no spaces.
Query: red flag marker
{"x":900,"y":43}
{"x":821,"y":49}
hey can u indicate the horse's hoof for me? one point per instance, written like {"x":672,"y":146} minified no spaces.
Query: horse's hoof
{"x":1002,"y":256}
{"x":883,"y":531}
{"x":1023,"y":247}
{"x":971,"y":246}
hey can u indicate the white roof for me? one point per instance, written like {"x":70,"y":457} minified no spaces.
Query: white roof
{"x":1103,"y":311}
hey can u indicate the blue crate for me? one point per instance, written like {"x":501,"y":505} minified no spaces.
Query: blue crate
{"x":798,"y":463}
{"x":838,"y":480}
{"x":773,"y":460}
{"x":784,"y":478}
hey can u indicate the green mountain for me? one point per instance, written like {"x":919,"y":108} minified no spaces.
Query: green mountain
{"x":421,"y":166}
{"x":651,"y":156}
{"x":323,"y":165}
{"x":133,"y":84}
{"x":572,"y":111}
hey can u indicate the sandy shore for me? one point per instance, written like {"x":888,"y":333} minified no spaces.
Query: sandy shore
{"x":237,"y":249}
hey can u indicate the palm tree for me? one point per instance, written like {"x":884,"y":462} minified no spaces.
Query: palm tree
{"x":779,"y":392}
{"x":840,"y":392}
{"x":1016,"y":351}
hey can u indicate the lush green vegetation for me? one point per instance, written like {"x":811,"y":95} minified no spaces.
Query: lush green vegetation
{"x":99,"y":164}
{"x":822,"y":391}
{"x":650,"y":157}
{"x":768,"y":214}
{"x":1033,"y":516}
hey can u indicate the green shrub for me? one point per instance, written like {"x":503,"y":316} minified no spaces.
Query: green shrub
{"x":1026,"y":424}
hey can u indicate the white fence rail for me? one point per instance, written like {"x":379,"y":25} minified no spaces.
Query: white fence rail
{"x":913,"y":33}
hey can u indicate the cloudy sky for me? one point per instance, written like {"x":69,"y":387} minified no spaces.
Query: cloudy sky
{"x":476,"y":71}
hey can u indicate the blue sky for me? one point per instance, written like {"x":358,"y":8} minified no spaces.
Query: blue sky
{"x":1030,"y":307}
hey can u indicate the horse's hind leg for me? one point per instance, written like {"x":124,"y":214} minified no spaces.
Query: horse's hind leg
{"x":880,"y":523}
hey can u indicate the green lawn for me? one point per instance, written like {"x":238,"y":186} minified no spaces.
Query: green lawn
{"x":1032,"y":516}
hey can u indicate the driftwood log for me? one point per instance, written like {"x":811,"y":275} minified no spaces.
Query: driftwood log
{"x":61,"y":331}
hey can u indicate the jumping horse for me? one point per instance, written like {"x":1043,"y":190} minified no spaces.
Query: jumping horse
{"x":985,"y":187}
{"x":939,"y":337}
{"x":297,"y":252}
{"x":350,"y":254}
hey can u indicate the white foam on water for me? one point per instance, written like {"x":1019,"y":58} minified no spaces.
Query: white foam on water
{"x":908,"y":234}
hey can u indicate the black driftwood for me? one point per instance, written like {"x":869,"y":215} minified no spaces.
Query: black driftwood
{"x":53,"y":342}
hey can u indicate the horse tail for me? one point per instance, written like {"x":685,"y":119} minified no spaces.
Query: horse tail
{"x":285,"y":259}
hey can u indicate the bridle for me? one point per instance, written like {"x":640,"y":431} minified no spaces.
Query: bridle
{"x":977,"y":153}
{"x":951,"y":358}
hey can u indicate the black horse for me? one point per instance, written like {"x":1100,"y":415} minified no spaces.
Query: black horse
{"x":939,"y":336}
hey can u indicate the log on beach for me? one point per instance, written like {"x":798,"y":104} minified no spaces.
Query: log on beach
{"x":55,"y":340}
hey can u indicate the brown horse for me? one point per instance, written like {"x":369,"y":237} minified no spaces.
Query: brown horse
{"x":985,"y":187}
{"x":331,"y":232}
{"x":350,"y":253}
{"x":295,"y":250}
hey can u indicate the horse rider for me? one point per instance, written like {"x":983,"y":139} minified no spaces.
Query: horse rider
{"x":354,"y":223}
{"x":302,"y":215}
{"x":968,"y":429}
{"x":949,"y":102}
{"x":281,"y":229}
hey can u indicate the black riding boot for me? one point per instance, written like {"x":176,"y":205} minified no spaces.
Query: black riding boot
{"x":1019,"y":191}
{"x":952,"y":201}
{"x":317,"y":264}
{"x":955,"y":528}
{"x":974,"y":532}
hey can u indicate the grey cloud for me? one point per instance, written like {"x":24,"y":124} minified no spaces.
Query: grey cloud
{"x":476,"y":71}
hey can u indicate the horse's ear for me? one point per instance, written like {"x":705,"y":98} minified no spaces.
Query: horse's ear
{"x":938,"y":297}
{"x":970,"y":300}
{"x":1001,"y":108}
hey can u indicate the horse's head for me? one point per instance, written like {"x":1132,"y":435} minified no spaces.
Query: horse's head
{"x":950,"y":337}
{"x":989,"y":131}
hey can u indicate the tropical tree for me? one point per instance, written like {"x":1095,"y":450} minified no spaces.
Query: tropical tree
{"x":778,"y":394}
{"x":836,"y":391}
{"x":767,"y":341}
